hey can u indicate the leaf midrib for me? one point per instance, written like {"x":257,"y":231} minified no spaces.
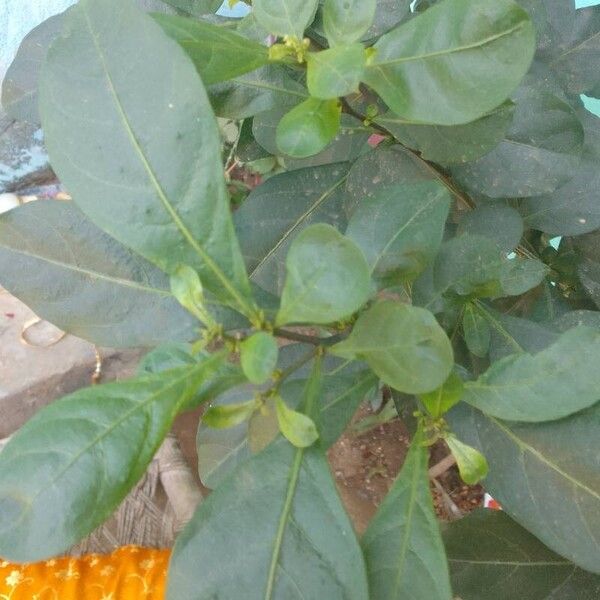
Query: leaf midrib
{"x":204,"y":256}
{"x":450,"y":51}
{"x":88,"y":273}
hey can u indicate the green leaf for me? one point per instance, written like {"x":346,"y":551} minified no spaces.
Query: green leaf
{"x":490,"y":555}
{"x":403,"y":546}
{"x":472,"y":465}
{"x":195,"y":8}
{"x":497,"y":222}
{"x":266,"y":88}
{"x":285,"y":17}
{"x":588,"y":247}
{"x":545,"y":476}
{"x":476,"y":330}
{"x":258,"y":355}
{"x":309,"y":127}
{"x":299,"y":429}
{"x":441,"y":400}
{"x":403,"y":344}
{"x":282,"y":504}
{"x":549,"y":385}
{"x":450,"y":66}
{"x":276,"y":211}
{"x":346,"y":21}
{"x":336,"y":71}
{"x":541,"y":150}
{"x":573,"y":208}
{"x":230,"y":415}
{"x":221,"y":450}
{"x":474,"y":265}
{"x":347,"y":145}
{"x":143,"y":189}
{"x":187,"y":288}
{"x":93,"y":287}
{"x":218,"y":53}
{"x":385,"y":166}
{"x":576,"y":55}
{"x":219,"y":376}
{"x":20,"y":84}
{"x":450,"y":145}
{"x":69,"y":467}
{"x":327,"y":279}
{"x":400,"y":228}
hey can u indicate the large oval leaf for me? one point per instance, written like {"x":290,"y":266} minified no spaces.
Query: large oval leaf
{"x":400,"y":229}
{"x":346,"y":21}
{"x":541,"y":150}
{"x":285,"y":17}
{"x":219,"y":54}
{"x":403,"y":344}
{"x":552,"y":384}
{"x":70,"y":466}
{"x":92,"y":286}
{"x":276,"y":211}
{"x":453,"y":64}
{"x":492,"y":557}
{"x":140,"y":157}
{"x":327,"y":279}
{"x":20,"y":85}
{"x":403,"y":544}
{"x":545,"y":475}
{"x":276,"y":522}
{"x":572,"y":209}
{"x":449,"y":145}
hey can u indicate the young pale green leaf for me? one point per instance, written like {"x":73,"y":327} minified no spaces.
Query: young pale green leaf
{"x":450,"y":66}
{"x":541,"y":150}
{"x":69,"y":467}
{"x":327,"y":279}
{"x":450,"y":145}
{"x":403,"y":546}
{"x":218,"y":53}
{"x":93,"y":286}
{"x":258,"y":355}
{"x":20,"y":84}
{"x":472,"y":465}
{"x":400,"y":228}
{"x":276,"y":211}
{"x":350,"y":141}
{"x":281,"y":503}
{"x":299,"y":429}
{"x":440,"y":401}
{"x":476,"y":330}
{"x":285,"y":17}
{"x":488,"y":547}
{"x":545,"y":476}
{"x":309,"y":127}
{"x":403,"y":344}
{"x":549,"y":385}
{"x":346,"y":21}
{"x":162,"y":195}
{"x":187,"y":289}
{"x":229,"y":415}
{"x":335,"y":72}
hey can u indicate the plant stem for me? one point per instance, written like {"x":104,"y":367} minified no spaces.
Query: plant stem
{"x":308,"y":339}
